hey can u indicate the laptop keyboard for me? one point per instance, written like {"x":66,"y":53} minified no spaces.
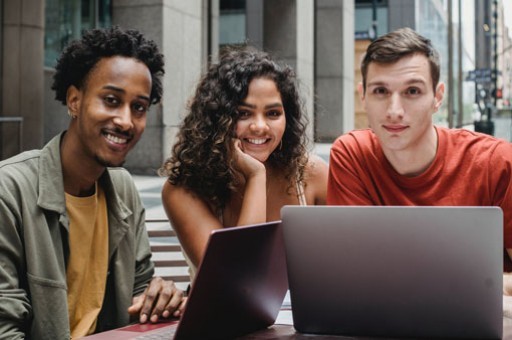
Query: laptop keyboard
{"x":163,"y":334}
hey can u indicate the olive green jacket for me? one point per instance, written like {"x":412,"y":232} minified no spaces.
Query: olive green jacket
{"x":34,"y":247}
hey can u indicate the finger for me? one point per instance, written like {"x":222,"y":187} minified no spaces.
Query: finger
{"x":169,"y":297}
{"x":136,"y":304}
{"x":238,"y":145}
{"x":174,"y":303}
{"x":151,"y":294}
{"x":178,"y":312}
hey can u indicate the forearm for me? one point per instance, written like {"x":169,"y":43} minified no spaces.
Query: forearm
{"x":254,"y":204}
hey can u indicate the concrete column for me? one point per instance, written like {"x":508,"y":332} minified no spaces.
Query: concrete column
{"x":280,"y":30}
{"x":213,"y":14}
{"x":334,"y":62}
{"x":22,"y":73}
{"x":177,"y":27}
{"x":254,"y":24}
{"x":306,"y":58}
{"x":288,"y":34}
{"x":401,"y":13}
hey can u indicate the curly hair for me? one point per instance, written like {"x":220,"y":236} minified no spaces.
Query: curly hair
{"x":202,"y":159}
{"x":80,"y":56}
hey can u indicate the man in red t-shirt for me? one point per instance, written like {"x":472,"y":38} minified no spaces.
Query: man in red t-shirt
{"x":403,"y":159}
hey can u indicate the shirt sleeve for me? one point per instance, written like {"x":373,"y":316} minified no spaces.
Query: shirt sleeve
{"x":144,"y":267}
{"x":15,"y":308}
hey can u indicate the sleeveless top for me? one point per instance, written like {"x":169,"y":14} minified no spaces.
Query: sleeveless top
{"x":301,"y":196}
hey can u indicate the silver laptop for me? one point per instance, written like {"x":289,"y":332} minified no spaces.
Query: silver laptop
{"x":239,"y":288}
{"x":395,"y":271}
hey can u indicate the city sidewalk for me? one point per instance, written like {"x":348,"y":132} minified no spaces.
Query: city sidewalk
{"x":150,"y":188}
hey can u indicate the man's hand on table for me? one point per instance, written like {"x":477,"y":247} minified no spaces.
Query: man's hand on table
{"x":161,"y":299}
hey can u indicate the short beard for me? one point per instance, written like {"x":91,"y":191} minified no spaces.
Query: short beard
{"x":108,"y":164}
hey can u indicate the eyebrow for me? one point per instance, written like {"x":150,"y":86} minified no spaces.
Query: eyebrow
{"x":120,"y":90}
{"x":269,"y":106}
{"x":408,"y":82}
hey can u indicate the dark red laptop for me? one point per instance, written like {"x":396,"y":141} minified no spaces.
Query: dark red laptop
{"x":239,"y":288}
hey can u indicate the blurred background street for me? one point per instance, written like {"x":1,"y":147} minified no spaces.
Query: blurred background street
{"x":322,"y":40}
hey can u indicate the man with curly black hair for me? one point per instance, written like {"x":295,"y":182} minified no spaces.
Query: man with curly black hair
{"x":74,"y":252}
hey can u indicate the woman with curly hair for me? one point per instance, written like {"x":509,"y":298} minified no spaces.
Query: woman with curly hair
{"x":241,"y":152}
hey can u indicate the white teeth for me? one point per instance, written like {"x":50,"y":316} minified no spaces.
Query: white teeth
{"x":256,"y":141}
{"x":115,"y":139}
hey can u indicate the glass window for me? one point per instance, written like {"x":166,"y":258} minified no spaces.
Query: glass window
{"x":432,"y":23}
{"x":232,"y":22}
{"x":469,"y":109}
{"x":67,"y":19}
{"x":364,"y":18}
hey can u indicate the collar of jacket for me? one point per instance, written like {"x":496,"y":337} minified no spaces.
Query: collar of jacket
{"x":51,"y":185}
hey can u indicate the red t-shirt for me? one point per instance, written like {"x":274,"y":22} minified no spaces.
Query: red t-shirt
{"x":469,"y":169}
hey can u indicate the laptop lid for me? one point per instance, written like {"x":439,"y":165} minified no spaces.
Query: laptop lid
{"x":240,"y":284}
{"x":239,"y":288}
{"x":395,"y":271}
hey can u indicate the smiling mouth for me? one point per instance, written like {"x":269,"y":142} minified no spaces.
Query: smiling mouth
{"x":116,"y":139}
{"x":257,"y":141}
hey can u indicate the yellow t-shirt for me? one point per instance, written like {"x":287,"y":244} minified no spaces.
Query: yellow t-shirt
{"x":88,"y":260}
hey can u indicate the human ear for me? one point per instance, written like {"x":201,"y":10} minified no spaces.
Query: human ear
{"x":438,"y":96}
{"x":73,"y":100}
{"x":360,"y":90}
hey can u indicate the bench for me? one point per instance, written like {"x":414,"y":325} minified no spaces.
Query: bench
{"x":166,"y":252}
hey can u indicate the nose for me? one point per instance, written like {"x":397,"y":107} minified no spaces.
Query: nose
{"x":123,"y":119}
{"x":259,"y":124}
{"x":395,"y":108}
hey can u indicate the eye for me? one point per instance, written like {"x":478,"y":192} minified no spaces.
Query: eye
{"x":243,"y":114}
{"x":111,"y":100}
{"x":380,"y":90}
{"x":413,"y":91}
{"x":140,"y":108}
{"x":274,"y":114}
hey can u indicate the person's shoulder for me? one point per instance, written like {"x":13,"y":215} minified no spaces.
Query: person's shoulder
{"x":316,"y":165}
{"x":356,"y":137}
{"x":473,"y":140}
{"x":464,"y":134}
{"x":363,"y":141}
{"x":23,"y":159}
{"x":122,"y":180}
{"x":479,"y":147}
{"x":172,"y":193}
{"x":176,"y":192}
{"x":19,"y":168}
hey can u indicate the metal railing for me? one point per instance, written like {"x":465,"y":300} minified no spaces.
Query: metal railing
{"x":19,"y":121}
